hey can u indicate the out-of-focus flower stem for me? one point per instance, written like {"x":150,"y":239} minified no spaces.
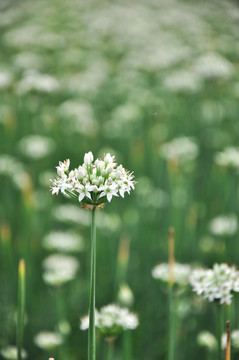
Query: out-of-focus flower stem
{"x":110,"y":348}
{"x":21,"y":308}
{"x":219,"y":322}
{"x":127,"y":343}
{"x":171,"y":331}
{"x":91,"y":333}
{"x":171,"y":335}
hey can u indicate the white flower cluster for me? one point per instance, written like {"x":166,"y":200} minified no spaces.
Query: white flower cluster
{"x":48,"y":340}
{"x":93,"y":182}
{"x":59,"y":269}
{"x":234,"y":340}
{"x":112,"y":320}
{"x":181,"y":273}
{"x":207,"y":339}
{"x":224,"y":225}
{"x":228,"y":157}
{"x":10,"y":353}
{"x":182,"y":149}
{"x":217,"y":283}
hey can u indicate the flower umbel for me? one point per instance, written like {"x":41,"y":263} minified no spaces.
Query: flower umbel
{"x":216,"y":284}
{"x":93,"y":182}
{"x":112,"y":320}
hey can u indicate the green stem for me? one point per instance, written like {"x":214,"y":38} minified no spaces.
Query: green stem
{"x":127,"y":345}
{"x":110,"y":352}
{"x":91,"y":333}
{"x":219,"y":322}
{"x":20,"y":308}
{"x":171,"y":323}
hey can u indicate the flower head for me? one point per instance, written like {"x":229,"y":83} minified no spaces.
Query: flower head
{"x":48,"y":340}
{"x":216,"y":284}
{"x":93,"y":182}
{"x":208,"y":340}
{"x":10,"y":353}
{"x":181,"y":273}
{"x":224,"y":225}
{"x":112,"y":320}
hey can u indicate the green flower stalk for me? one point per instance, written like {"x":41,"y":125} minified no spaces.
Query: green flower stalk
{"x":91,"y":333}
{"x":110,"y":347}
{"x":21,"y":308}
{"x":92,"y":184}
{"x":171,"y":335}
{"x":219,"y":328}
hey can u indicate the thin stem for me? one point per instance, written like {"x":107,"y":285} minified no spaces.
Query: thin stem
{"x":91,"y":333}
{"x":127,"y":345}
{"x":219,"y":322}
{"x":171,"y":327}
{"x":20,"y":308}
{"x":110,"y":350}
{"x":171,"y":330}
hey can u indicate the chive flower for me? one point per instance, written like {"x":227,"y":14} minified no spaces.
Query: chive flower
{"x":112,"y":320}
{"x":93,"y":182}
{"x":216,"y":284}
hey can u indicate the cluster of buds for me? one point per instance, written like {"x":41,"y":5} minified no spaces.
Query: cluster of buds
{"x":93,"y":182}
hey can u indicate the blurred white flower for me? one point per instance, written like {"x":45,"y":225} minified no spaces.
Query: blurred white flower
{"x":234,"y":337}
{"x":112,"y":320}
{"x":125,"y":121}
{"x":47,"y":340}
{"x":224,"y":225}
{"x":228,"y":157}
{"x":28,"y":60}
{"x":5,"y":79}
{"x":181,"y":149}
{"x":182,"y":81}
{"x":150,"y":196}
{"x":70,"y":213}
{"x":125,"y":295}
{"x":10,"y":165}
{"x":182,"y":273}
{"x":22,"y":36}
{"x":212,"y":65}
{"x":88,"y":81}
{"x":63,"y":241}
{"x":36,"y":146}
{"x":59,"y":269}
{"x":78,"y":117}
{"x":216,"y":284}
{"x":10,"y":353}
{"x":34,"y":81}
{"x":208,"y":340}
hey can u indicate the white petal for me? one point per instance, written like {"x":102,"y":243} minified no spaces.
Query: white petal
{"x":109,"y":197}
{"x":81,"y":196}
{"x":88,"y":195}
{"x":102,"y":194}
{"x":121,"y":191}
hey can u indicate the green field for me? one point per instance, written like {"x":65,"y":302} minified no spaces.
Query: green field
{"x":155,"y":83}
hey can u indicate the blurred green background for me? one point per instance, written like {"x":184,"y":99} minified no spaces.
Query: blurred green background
{"x":156,"y":83}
